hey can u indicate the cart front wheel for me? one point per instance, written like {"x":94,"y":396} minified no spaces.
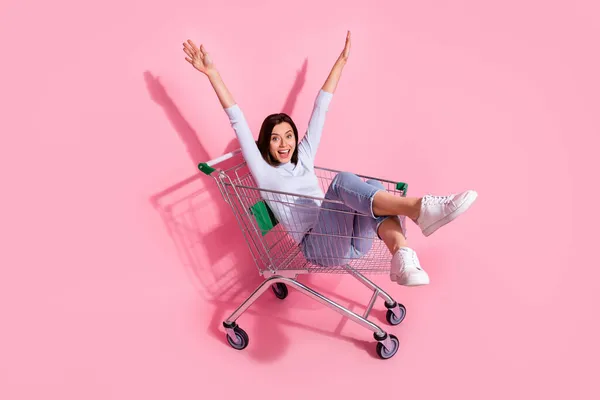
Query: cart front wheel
{"x":385,"y":353}
{"x":241,"y":339}
{"x":280,"y":290}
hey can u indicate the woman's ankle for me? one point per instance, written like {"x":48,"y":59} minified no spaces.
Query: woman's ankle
{"x":416,"y":212}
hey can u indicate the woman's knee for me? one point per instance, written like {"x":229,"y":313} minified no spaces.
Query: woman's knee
{"x":376,"y":183}
{"x":344,"y":176}
{"x":342,"y":179}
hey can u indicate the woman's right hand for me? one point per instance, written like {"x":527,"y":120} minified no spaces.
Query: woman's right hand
{"x":198,"y":57}
{"x":202,"y":61}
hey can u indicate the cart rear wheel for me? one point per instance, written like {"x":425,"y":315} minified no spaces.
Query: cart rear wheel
{"x":388,"y":353}
{"x":391,"y":317}
{"x":280,"y":290}
{"x":241,"y":339}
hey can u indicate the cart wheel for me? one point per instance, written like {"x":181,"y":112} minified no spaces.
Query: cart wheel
{"x":391,"y":317}
{"x":241,"y":339}
{"x":385,"y":353}
{"x":280,"y":290}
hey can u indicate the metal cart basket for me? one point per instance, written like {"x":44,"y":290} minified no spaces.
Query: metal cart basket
{"x":280,"y":259}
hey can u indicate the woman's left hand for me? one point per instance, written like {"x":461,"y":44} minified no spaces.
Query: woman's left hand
{"x":334,"y":75}
{"x":346,"y":52}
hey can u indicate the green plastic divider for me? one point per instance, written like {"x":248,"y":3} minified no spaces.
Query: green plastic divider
{"x":264,"y":217}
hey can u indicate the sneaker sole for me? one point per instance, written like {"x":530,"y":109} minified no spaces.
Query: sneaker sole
{"x":466,"y":204}
{"x":412,"y":282}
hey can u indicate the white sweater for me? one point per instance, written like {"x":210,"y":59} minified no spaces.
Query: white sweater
{"x":296,"y":214}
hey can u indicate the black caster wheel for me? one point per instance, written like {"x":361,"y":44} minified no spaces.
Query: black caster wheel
{"x":241,"y":339}
{"x":391,"y":317}
{"x":280,"y":290}
{"x":384,"y":353}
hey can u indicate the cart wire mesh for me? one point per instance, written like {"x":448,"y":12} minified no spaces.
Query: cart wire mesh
{"x":272,"y":243}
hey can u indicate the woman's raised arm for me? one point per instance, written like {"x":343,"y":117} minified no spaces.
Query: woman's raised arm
{"x":336,"y":72}
{"x":202,"y":61}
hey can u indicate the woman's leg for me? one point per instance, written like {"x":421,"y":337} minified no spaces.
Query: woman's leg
{"x":390,"y":232}
{"x":385,"y":203}
{"x":429,"y":212}
{"x":329,"y":242}
{"x":365,"y":227}
{"x":405,"y":268}
{"x":340,"y":233}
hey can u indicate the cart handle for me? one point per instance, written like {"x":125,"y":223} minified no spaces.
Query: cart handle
{"x":207,"y":167}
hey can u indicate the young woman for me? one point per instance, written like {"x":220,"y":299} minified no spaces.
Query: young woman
{"x":339,"y":229}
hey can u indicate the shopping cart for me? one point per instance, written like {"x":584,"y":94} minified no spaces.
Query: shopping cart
{"x":280,"y":258}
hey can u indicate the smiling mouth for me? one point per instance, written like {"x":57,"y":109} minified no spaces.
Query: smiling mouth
{"x":283,"y":153}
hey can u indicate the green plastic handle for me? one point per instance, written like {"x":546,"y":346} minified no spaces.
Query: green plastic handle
{"x":402,"y":186}
{"x":204,"y":167}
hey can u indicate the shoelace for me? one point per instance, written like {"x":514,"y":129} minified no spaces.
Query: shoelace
{"x":430,"y":200}
{"x":412,"y":257}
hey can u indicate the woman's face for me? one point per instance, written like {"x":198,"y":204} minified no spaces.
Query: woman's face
{"x":283,"y":142}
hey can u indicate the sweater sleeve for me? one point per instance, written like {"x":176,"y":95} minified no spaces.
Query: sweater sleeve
{"x":307,"y":148}
{"x":257,"y":165}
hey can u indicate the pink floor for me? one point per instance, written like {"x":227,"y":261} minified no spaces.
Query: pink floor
{"x":120,"y":261}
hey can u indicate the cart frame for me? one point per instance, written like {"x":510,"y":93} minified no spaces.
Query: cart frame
{"x":280,"y":259}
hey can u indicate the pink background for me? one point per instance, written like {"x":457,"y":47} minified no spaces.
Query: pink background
{"x":120,"y":261}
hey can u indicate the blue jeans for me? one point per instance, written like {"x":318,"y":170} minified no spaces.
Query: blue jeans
{"x":344,"y":231}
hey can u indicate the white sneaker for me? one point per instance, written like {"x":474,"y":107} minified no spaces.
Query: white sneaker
{"x":437,"y":211}
{"x":406,"y":270}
